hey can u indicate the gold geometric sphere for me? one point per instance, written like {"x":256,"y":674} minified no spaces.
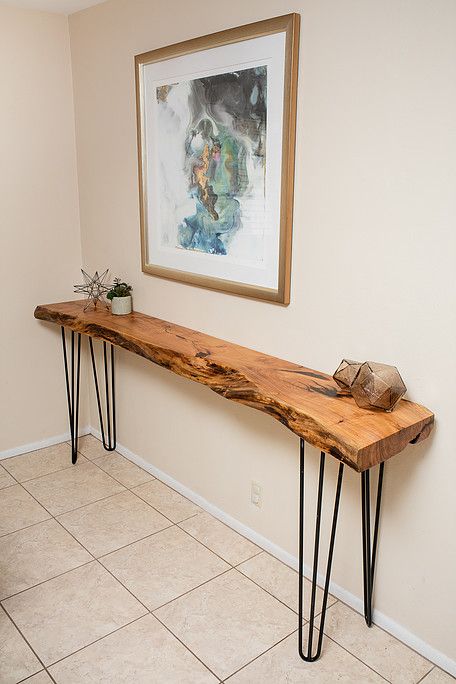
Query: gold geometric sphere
{"x":378,"y":385}
{"x":346,"y":373}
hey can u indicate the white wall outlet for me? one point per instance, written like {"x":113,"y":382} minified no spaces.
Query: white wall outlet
{"x":256,"y":494}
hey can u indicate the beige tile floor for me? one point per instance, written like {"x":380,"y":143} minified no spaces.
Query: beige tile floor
{"x":109,"y":576}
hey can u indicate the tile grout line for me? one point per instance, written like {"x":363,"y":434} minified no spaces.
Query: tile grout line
{"x":434,"y":667}
{"x":51,"y":472}
{"x":27,"y":527}
{"x":156,"y":509}
{"x":95,"y":641}
{"x":306,"y":622}
{"x":151,"y":534}
{"x":189,"y":534}
{"x":355,"y":656}
{"x":10,"y":474}
{"x":50,"y":676}
{"x":135,"y":541}
{"x":26,"y":640}
{"x":409,"y":648}
{"x":250,"y":557}
{"x":55,"y":576}
{"x":149,"y":612}
{"x":234,"y":567}
{"x":151,"y":478}
{"x":260,"y":655}
{"x":54,"y":515}
{"x":2,"y":489}
{"x":221,"y":523}
{"x":189,"y":591}
{"x":102,"y":566}
{"x":48,"y":579}
{"x":185,"y":645}
{"x":207,"y":582}
{"x":26,"y":679}
{"x":135,"y":486}
{"x":104,"y":498}
{"x":276,"y":597}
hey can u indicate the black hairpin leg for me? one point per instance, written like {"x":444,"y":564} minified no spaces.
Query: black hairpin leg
{"x":308,"y":657}
{"x":72,"y":388}
{"x":369,"y":553}
{"x":109,"y":443}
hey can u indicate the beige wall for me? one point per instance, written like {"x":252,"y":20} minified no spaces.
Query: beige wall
{"x":40,"y":250}
{"x":373,"y":272}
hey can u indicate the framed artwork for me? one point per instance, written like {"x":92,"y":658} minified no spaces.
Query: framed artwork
{"x":216,"y":122}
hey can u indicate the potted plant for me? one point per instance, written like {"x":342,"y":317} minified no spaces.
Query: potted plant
{"x":120,"y":296}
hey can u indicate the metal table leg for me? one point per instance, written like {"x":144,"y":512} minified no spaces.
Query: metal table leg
{"x":308,"y":656}
{"x":72,"y":389}
{"x":110,"y":395}
{"x":369,"y":552}
{"x":72,"y":366}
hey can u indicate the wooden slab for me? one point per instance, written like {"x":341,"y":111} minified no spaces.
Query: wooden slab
{"x":305,"y":401}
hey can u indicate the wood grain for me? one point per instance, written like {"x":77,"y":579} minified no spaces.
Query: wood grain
{"x":305,"y":401}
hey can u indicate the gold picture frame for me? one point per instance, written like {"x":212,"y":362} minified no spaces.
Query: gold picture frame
{"x":285,"y":28}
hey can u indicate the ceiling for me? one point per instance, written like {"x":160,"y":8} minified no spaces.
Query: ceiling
{"x":59,"y":6}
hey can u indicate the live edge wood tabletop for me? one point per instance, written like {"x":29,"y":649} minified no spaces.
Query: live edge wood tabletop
{"x":305,"y":401}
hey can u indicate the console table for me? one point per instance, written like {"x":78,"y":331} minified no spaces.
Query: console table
{"x":306,"y":401}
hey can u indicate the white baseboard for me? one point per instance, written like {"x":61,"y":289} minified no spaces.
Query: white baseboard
{"x":355,"y":602}
{"x":34,"y":446}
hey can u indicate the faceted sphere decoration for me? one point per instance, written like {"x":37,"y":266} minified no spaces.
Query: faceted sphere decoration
{"x":346,"y":373}
{"x":378,"y":385}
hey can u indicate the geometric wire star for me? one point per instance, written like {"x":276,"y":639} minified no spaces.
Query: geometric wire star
{"x":95,"y":287}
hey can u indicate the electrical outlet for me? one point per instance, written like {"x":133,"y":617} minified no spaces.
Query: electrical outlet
{"x":256,"y":494}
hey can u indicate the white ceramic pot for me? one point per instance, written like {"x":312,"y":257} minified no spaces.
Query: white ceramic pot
{"x":121,"y":305}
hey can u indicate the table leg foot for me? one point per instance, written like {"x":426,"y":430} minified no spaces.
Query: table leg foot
{"x":308,"y":656}
{"x":369,"y":552}
{"x":110,"y":442}
{"x":72,"y":389}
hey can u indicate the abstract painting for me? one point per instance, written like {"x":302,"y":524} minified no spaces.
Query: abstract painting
{"x":215,"y":137}
{"x":223,"y":149}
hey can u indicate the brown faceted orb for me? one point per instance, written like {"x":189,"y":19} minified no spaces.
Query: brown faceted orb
{"x":378,"y":385}
{"x":346,"y":373}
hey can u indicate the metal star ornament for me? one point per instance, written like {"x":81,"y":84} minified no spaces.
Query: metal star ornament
{"x":95,"y":287}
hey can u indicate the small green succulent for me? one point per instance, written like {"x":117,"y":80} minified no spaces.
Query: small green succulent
{"x":119,"y":289}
